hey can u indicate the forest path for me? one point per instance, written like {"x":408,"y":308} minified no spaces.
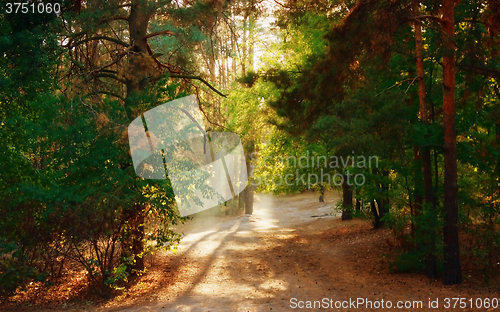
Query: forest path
{"x":251,"y":263}
{"x":283,"y":251}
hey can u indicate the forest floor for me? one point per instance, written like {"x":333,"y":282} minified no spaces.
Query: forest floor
{"x":291,"y":247}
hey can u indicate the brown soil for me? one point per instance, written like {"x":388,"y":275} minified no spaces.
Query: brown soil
{"x":291,"y":247}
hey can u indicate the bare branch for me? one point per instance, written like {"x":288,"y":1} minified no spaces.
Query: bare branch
{"x":398,"y":84}
{"x":91,"y":108}
{"x":118,"y":58}
{"x":158,"y":33}
{"x":197,"y":78}
{"x":205,"y":114}
{"x":107,"y":71}
{"x":118,"y":41}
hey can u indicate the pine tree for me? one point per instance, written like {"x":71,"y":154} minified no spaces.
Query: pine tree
{"x":113,"y":50}
{"x":452,"y":269}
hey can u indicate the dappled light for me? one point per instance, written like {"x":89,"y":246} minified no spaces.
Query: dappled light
{"x":234,"y":155}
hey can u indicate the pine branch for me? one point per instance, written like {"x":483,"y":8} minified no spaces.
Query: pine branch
{"x":487,"y":72}
{"x":197,"y":78}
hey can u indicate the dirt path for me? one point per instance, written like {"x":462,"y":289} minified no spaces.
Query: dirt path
{"x":289,"y":248}
{"x":247,"y":263}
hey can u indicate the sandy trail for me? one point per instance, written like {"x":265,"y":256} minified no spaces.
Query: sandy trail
{"x":240,"y":262}
{"x":289,"y":248}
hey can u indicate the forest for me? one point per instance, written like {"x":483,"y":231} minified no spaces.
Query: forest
{"x":391,"y":104}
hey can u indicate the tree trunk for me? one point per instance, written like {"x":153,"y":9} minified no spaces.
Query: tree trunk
{"x":376,"y":217}
{"x":383,"y":202}
{"x":418,"y":181}
{"x":133,"y":239}
{"x":227,"y":72}
{"x":211,"y":63}
{"x":418,"y":200}
{"x":249,"y":191}
{"x":430,"y":259}
{"x":452,"y":271}
{"x":233,"y":58}
{"x":251,"y":41}
{"x":244,"y":47}
{"x":241,"y":200}
{"x":346,"y":200}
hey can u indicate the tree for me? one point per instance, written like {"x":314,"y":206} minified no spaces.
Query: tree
{"x":317,"y":97}
{"x":452,"y":273}
{"x":316,"y":101}
{"x":114,"y":53}
{"x":425,"y":152}
{"x":70,"y":191}
{"x":29,"y":53}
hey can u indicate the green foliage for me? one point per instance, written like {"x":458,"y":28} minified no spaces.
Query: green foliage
{"x":340,"y":81}
{"x":70,"y":196}
{"x":118,"y":274}
{"x":27,"y":46}
{"x":358,"y":92}
{"x":15,"y":269}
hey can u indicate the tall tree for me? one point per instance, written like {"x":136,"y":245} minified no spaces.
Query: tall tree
{"x":452,"y":274}
{"x":123,"y":51}
{"x":425,"y":152}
